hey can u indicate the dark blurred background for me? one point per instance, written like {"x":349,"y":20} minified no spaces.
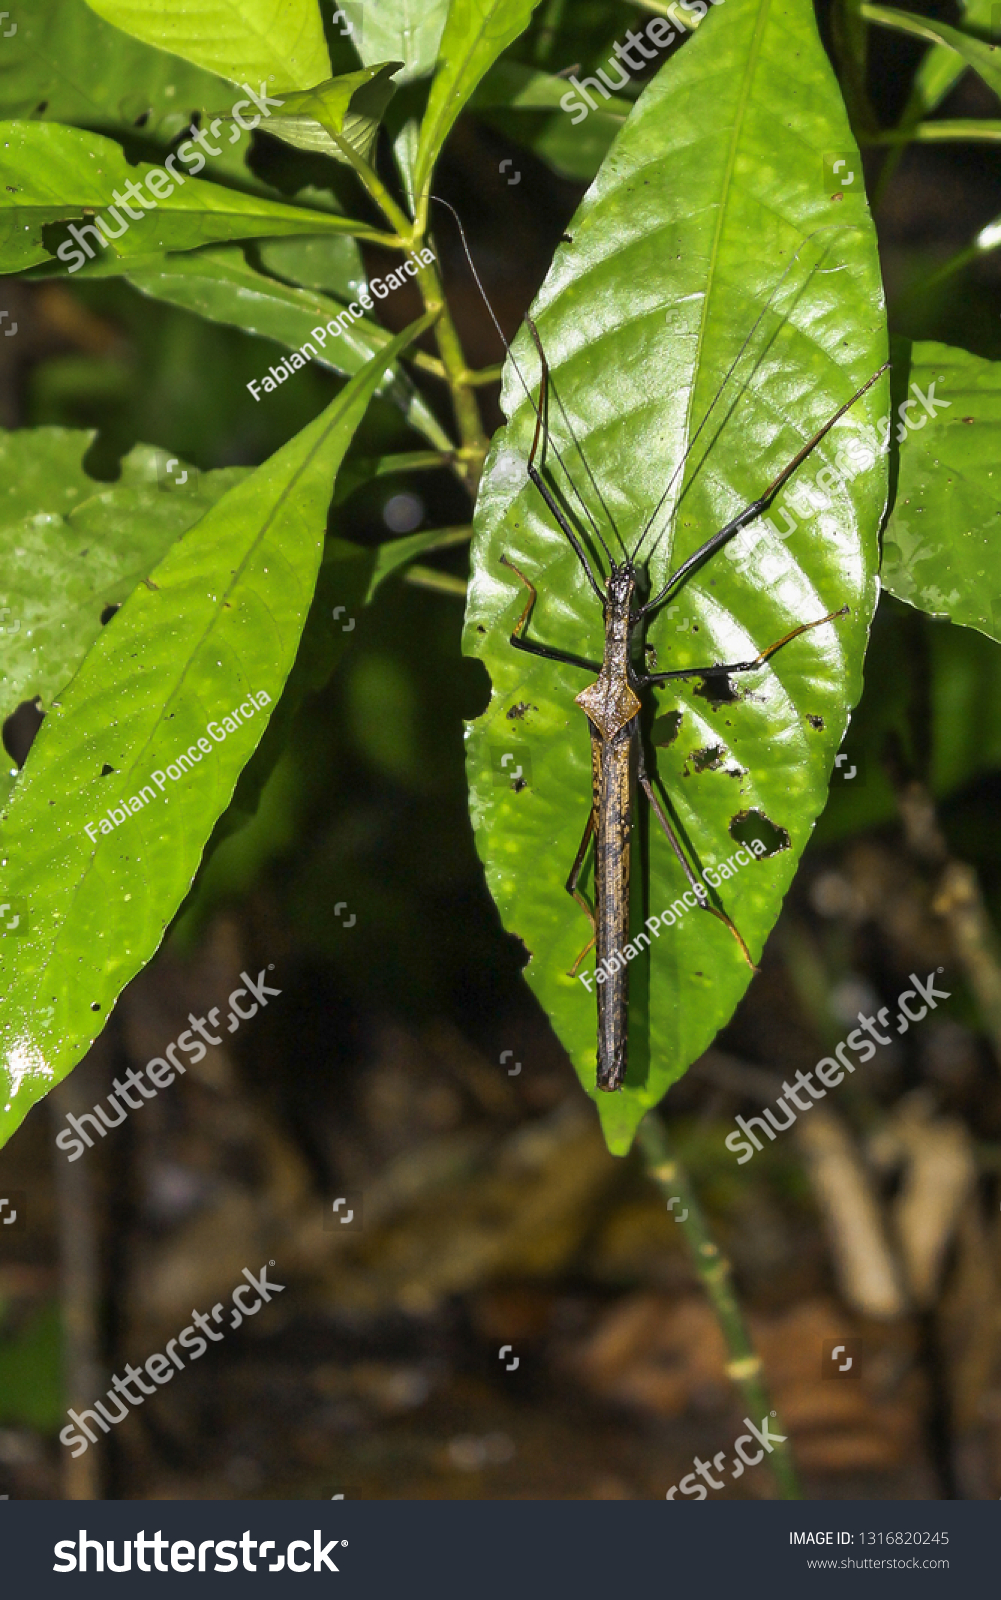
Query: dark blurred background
{"x":405,"y":1063}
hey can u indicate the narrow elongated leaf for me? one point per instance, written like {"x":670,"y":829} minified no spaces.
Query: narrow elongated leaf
{"x":983,"y":58}
{"x":66,"y":64}
{"x":49,"y":173}
{"x":697,"y":226}
{"x":219,"y":285}
{"x":350,"y":107}
{"x":941,"y":67}
{"x":73,"y":547}
{"x":942,"y":543}
{"x":118,"y":797}
{"x":240,"y":39}
{"x":476,"y":33}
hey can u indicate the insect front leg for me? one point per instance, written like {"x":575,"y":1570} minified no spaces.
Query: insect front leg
{"x":529,"y":645}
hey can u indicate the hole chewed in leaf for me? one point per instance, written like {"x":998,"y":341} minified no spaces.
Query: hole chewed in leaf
{"x":708,"y":760}
{"x":748,"y":826}
{"x":666,"y":729}
{"x":719,"y":689}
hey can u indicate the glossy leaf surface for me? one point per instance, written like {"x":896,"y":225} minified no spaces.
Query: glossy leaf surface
{"x":695,"y":226}
{"x":253,"y":39}
{"x":219,"y":620}
{"x":942,"y":542}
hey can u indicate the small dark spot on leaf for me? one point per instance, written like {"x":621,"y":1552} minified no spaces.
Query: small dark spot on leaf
{"x":517,"y":712}
{"x":94,"y":1005}
{"x":816,"y":722}
{"x":967,"y":419}
{"x":717,"y":688}
{"x":567,"y":238}
{"x":748,"y":826}
{"x":709,"y":759}
{"x":480,"y":628}
{"x":142,"y":120}
{"x":109,"y":611}
{"x":518,"y":784}
{"x":106,"y":770}
{"x":42,"y":106}
{"x":666,"y":728}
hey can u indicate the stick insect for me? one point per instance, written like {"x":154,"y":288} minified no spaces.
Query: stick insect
{"x":613,"y":702}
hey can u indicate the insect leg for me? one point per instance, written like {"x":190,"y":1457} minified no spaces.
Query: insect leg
{"x":744,"y":666}
{"x":541,"y":649}
{"x":756,"y":507}
{"x":672,"y":839}
{"x":571,"y":888}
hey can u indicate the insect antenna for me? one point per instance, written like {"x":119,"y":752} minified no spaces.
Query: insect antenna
{"x":712,"y":404}
{"x":547,"y":441}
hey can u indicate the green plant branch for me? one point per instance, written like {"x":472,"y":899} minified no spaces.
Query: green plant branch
{"x":933,"y":132}
{"x":713,"y":1268}
{"x":431,"y":578}
{"x":470,"y":459}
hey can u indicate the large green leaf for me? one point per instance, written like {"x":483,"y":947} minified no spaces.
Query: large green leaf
{"x":49,"y":173}
{"x":280,"y":40}
{"x":68,"y":65}
{"x":476,"y":33}
{"x":217,"y":621}
{"x":942,"y":544}
{"x":220,"y":285}
{"x":73,"y":546}
{"x":695,"y":225}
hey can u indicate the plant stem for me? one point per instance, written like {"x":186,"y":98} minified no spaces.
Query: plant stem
{"x":470,"y":461}
{"x":713,"y":1268}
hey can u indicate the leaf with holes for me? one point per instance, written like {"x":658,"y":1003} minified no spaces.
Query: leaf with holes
{"x":75,"y":547}
{"x":68,"y":65}
{"x":140,"y":755}
{"x":941,"y":544}
{"x":695,"y":228}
